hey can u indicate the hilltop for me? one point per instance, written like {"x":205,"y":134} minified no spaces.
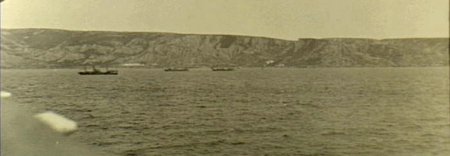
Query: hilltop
{"x":53,"y":48}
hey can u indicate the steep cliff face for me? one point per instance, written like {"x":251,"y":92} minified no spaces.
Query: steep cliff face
{"x":41,"y":48}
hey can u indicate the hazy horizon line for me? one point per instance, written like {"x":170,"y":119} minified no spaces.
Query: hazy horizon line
{"x":230,"y":34}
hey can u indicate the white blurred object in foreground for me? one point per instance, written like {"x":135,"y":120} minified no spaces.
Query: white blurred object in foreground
{"x":5,"y":94}
{"x":57,"y":122}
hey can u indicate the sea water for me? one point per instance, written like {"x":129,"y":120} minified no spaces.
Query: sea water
{"x":249,"y":111}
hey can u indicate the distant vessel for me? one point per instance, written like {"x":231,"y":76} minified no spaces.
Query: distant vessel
{"x":176,"y":69}
{"x":98,"y":72}
{"x":222,"y":69}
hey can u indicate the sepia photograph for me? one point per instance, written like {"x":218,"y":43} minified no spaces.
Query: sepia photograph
{"x":225,"y":78}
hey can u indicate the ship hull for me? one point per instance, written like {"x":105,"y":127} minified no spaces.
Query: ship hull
{"x":102,"y":73}
{"x":222,"y":69}
{"x":176,"y":69}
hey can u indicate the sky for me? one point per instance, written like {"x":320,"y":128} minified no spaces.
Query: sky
{"x":285,"y":19}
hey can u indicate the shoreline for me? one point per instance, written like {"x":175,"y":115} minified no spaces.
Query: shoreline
{"x":312,"y":67}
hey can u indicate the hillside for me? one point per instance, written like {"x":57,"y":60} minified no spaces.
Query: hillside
{"x":51,"y":48}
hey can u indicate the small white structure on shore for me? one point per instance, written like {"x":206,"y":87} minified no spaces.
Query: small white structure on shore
{"x":281,"y":65}
{"x":133,"y":65}
{"x":269,"y":62}
{"x":57,"y":122}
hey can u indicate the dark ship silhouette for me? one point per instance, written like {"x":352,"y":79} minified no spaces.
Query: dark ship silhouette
{"x":96,"y":71}
{"x":176,"y":69}
{"x":222,"y":69}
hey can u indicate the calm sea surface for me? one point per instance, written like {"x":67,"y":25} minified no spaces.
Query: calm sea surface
{"x":321,"y":111}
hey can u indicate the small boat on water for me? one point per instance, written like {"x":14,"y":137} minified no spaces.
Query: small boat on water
{"x":176,"y":69}
{"x":95,"y":71}
{"x":222,"y":69}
